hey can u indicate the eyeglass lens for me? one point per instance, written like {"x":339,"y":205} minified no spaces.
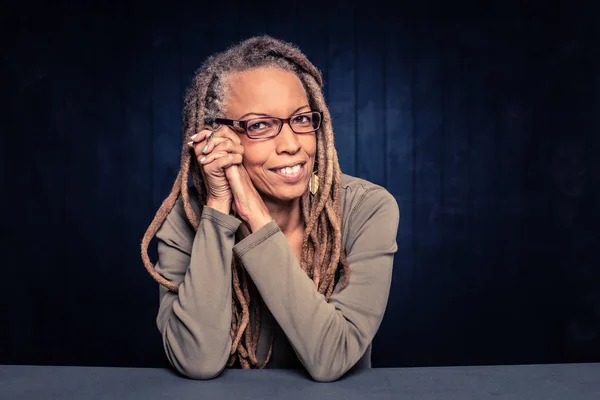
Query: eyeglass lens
{"x":266,"y":126}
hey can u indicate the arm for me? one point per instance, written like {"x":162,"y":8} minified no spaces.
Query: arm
{"x":329,"y":337}
{"x":195,"y":323}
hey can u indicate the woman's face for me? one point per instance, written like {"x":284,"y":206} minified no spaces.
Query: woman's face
{"x":277,"y":93}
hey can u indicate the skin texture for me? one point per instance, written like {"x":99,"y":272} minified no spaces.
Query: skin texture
{"x":259,"y":195}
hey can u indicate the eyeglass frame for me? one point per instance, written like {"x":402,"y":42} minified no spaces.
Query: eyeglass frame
{"x":243,"y":124}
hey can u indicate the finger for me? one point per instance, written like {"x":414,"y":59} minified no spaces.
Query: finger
{"x":208,"y":145}
{"x":212,"y":157}
{"x":203,"y":135}
{"x":229,"y":160}
{"x":199,"y":137}
{"x":244,"y":177}
{"x":234,"y":178}
{"x":226,"y":133}
{"x":225,"y":145}
{"x":200,"y":147}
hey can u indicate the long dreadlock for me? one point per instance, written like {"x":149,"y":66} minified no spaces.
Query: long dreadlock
{"x":322,"y":251}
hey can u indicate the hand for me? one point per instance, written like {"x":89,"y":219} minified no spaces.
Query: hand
{"x":248,"y":204}
{"x":216,"y":151}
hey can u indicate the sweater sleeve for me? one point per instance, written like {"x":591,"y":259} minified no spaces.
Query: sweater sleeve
{"x":195,"y":322}
{"x":329,"y":337}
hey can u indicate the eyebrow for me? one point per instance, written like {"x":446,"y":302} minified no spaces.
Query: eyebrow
{"x":267,"y":115}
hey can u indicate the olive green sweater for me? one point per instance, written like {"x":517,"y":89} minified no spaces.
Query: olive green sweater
{"x":327,"y":338}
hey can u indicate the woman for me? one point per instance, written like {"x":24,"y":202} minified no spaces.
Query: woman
{"x":273,"y":257}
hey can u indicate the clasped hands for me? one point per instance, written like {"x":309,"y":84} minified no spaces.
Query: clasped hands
{"x":228,"y":185}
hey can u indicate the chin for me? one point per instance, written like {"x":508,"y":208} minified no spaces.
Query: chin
{"x":281,"y":191}
{"x":289,"y":194}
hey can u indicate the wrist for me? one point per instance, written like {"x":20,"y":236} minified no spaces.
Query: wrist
{"x":223,"y":206}
{"x":258,"y":222}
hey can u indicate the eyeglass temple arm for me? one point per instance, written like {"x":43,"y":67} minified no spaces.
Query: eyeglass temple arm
{"x":222,"y":121}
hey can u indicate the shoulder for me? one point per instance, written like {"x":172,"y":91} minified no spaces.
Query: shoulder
{"x":359,"y":194}
{"x":364,"y":204}
{"x":176,"y":222}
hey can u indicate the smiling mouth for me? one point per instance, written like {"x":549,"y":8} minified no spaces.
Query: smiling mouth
{"x":292,"y":170}
{"x":290,"y":173}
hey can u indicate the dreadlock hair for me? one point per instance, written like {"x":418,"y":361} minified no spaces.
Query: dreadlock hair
{"x":322,"y":251}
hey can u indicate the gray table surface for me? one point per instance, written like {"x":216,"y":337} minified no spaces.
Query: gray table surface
{"x":554,"y":381}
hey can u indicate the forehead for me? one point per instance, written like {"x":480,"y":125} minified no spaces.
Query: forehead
{"x":270,"y":91}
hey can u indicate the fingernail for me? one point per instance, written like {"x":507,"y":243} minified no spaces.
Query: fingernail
{"x":205,"y":148}
{"x":190,"y":143}
{"x":202,"y":159}
{"x":194,"y":136}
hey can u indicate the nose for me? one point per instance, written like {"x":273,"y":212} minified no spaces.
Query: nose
{"x":287,"y":141}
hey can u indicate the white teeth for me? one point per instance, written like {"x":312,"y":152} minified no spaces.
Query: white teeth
{"x":290,"y":170}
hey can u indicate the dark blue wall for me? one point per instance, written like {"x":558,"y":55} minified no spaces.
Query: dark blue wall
{"x":483,"y":125}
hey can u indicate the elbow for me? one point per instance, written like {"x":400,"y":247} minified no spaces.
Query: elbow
{"x":195,"y":364}
{"x":337,"y":364}
{"x":199,"y":371}
{"x":327,"y":371}
{"x":319,"y":374}
{"x":324,"y":377}
{"x":198,"y":368}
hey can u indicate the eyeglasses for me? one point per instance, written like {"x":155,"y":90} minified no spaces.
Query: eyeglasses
{"x":269,"y":127}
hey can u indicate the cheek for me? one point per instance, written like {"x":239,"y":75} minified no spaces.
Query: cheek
{"x":311,"y":150}
{"x":256,"y":153}
{"x":309,"y":144}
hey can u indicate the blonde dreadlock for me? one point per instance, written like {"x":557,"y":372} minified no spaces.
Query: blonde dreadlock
{"x":322,"y":251}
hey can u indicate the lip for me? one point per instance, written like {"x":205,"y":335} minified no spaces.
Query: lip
{"x":291,"y":178}
{"x":289,"y":165}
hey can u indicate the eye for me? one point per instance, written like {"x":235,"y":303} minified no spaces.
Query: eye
{"x":259,"y":126}
{"x":301,"y":119}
